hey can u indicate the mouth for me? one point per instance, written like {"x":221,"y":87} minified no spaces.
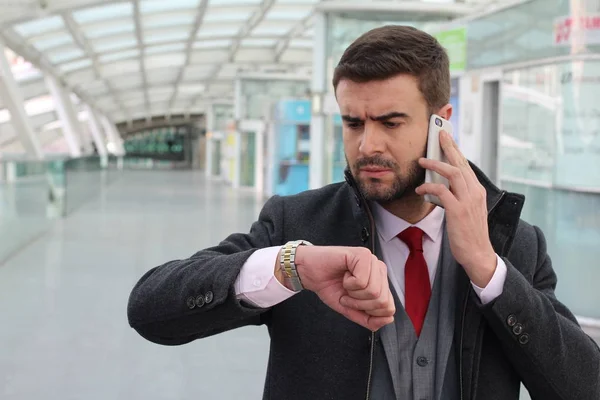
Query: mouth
{"x":374,"y":172}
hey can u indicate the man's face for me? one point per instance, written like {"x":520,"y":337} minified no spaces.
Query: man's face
{"x":385,"y":134}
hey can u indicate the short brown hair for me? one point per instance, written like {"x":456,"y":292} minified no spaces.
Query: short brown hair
{"x":391,"y":50}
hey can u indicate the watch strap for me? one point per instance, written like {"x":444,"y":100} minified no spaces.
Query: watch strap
{"x":288,"y":263}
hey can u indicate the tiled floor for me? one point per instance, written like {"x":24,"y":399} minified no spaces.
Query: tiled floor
{"x":63,"y":327}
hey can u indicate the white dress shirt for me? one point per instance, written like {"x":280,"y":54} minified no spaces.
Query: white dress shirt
{"x":257,"y":285}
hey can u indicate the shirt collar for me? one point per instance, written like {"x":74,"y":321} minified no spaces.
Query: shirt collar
{"x":389,"y":225}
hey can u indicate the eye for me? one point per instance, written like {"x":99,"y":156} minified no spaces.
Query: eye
{"x":354,"y":125}
{"x":391,"y":125}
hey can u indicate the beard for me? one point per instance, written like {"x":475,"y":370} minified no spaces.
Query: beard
{"x":404,"y":182}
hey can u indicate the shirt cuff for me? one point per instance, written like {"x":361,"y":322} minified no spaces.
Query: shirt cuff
{"x":256,"y":284}
{"x":495,"y":287}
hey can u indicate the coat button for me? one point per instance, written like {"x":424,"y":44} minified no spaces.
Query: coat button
{"x":191,"y":303}
{"x":208,"y":298}
{"x":511,"y":320}
{"x":364,"y":235}
{"x":518,"y":329}
{"x":422,"y":361}
{"x":200,"y":301}
{"x":524,"y":339}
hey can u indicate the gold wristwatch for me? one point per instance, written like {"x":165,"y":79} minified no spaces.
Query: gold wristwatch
{"x":287,"y":263}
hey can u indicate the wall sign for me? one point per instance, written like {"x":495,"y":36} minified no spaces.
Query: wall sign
{"x":580,"y":30}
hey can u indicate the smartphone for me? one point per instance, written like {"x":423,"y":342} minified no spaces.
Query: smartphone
{"x":435,"y":152}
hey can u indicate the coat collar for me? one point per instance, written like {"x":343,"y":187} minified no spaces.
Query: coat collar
{"x":504,"y":209}
{"x":494,"y":194}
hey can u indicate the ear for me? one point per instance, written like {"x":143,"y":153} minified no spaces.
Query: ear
{"x":445,"y":112}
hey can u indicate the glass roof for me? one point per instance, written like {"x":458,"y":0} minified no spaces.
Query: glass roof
{"x":133,"y":58}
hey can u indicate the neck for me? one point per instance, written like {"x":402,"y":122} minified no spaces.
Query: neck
{"x":412,"y":209}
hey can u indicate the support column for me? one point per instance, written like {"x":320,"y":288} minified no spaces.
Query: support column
{"x":10,"y":92}
{"x":316,"y":167}
{"x":113,"y":136}
{"x":259,"y":160}
{"x":96,"y":131}
{"x":210,"y":128}
{"x":66,"y":112}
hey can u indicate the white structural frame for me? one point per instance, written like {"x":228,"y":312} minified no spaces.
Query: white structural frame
{"x":96,"y":131}
{"x":66,"y":114}
{"x":13,"y":100}
{"x":316,"y":168}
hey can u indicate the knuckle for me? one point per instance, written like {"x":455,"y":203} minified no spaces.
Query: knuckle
{"x":363,"y":252}
{"x":482,"y":192}
{"x":455,"y":173}
{"x":372,"y":292}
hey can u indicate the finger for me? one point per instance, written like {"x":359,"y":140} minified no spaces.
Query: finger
{"x":437,"y":189}
{"x":358,"y":278}
{"x":455,"y":177}
{"x":457,"y":158}
{"x":373,"y":289}
{"x":381,"y":307}
{"x":451,"y":150}
{"x":370,"y":322}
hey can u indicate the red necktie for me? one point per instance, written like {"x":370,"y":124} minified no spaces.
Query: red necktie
{"x":416,"y":278}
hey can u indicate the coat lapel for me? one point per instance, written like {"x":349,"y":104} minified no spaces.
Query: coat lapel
{"x":447,"y":271}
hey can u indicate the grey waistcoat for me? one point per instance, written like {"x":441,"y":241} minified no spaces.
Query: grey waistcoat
{"x":410,"y":368}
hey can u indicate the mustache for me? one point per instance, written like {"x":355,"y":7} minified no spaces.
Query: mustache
{"x":375,"y":161}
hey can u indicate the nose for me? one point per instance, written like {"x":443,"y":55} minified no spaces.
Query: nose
{"x":371,"y":142}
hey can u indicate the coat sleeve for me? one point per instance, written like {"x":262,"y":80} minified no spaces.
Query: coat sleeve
{"x":553,"y":356}
{"x":160,"y":304}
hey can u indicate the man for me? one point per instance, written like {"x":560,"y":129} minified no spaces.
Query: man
{"x":390,"y":297}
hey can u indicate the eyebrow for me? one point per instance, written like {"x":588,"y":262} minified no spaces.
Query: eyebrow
{"x":384,"y":117}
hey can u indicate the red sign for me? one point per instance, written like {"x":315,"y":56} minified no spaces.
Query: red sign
{"x":580,"y":30}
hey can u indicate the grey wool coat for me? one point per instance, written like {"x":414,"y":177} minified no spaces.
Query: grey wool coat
{"x":317,"y":354}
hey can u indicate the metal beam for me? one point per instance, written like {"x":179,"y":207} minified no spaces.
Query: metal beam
{"x":166,"y":44}
{"x":83,"y":43}
{"x":71,"y":128}
{"x":115,"y":141}
{"x":96,"y":131}
{"x":142,"y":52}
{"x":35,"y":57}
{"x":188,"y":50}
{"x":297,"y":30}
{"x":252,"y":22}
{"x":13,"y":101}
{"x":365,"y":8}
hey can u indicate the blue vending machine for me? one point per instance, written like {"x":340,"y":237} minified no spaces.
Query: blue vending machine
{"x":291,"y":119}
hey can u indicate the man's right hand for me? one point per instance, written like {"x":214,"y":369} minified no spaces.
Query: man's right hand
{"x":350,"y":280}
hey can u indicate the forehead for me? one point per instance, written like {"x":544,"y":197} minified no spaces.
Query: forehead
{"x":400,"y":93}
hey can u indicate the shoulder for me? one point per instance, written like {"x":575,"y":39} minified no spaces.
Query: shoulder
{"x":528,"y":247}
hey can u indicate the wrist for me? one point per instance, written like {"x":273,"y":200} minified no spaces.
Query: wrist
{"x":279,"y":274}
{"x":482,"y":270}
{"x":288,"y":273}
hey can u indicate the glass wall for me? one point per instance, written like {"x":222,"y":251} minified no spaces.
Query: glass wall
{"x":550,"y":151}
{"x":258,"y":95}
{"x":34,"y":193}
{"x":223,"y":114}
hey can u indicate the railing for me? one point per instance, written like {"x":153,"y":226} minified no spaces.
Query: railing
{"x":33,"y":193}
